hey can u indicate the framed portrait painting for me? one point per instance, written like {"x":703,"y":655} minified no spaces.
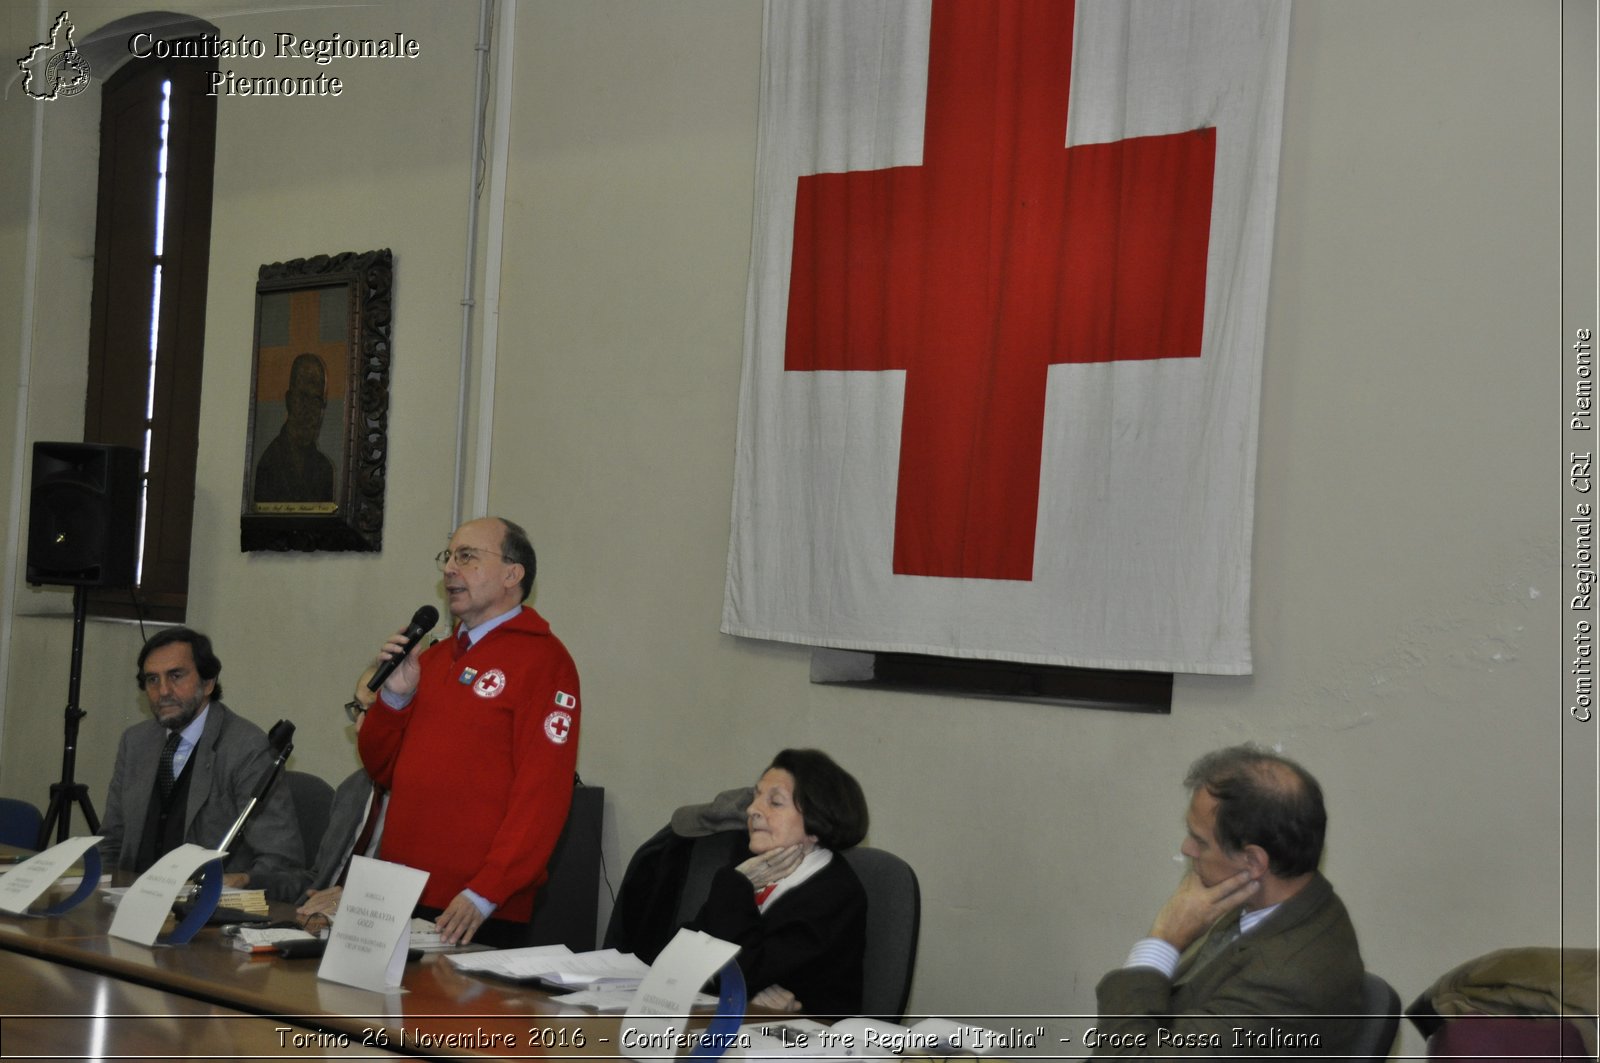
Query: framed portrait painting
{"x":316,"y":446}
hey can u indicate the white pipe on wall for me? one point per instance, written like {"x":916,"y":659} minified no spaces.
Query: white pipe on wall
{"x":505,"y":62}
{"x":468,"y":287}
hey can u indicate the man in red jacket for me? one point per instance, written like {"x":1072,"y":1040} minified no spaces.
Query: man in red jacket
{"x":476,"y":740}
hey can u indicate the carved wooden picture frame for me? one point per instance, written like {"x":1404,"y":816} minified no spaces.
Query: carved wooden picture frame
{"x":316,"y":446}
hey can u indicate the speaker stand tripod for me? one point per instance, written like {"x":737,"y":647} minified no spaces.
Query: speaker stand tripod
{"x":68,"y":790}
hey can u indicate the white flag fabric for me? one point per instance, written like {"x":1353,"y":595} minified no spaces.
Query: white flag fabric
{"x":1004,"y":329}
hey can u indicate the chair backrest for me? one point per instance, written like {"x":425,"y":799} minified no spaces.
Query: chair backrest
{"x":894,"y":922}
{"x":894,"y":907}
{"x":709,"y":853}
{"x":567,"y":910}
{"x":313,"y":797}
{"x":19,"y":823}
{"x":1507,"y":1037}
{"x":1381,"y":1006}
{"x":667,"y":880}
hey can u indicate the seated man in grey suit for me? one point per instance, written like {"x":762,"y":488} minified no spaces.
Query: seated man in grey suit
{"x":355,"y":822}
{"x":185,"y":775}
{"x":1253,"y":953}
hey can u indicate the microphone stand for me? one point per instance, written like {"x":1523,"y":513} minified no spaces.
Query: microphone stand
{"x":281,"y":738}
{"x":257,"y":797}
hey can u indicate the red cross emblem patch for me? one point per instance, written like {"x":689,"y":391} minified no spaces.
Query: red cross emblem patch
{"x":490,"y":684}
{"x":558,"y":727}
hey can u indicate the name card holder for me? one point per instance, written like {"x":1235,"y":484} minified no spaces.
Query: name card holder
{"x":147,"y":904}
{"x":724,"y":1028}
{"x":372,"y":928}
{"x":661,"y":1006}
{"x":29,"y":880}
{"x":206,"y":897}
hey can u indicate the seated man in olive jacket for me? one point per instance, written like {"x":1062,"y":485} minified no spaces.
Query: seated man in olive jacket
{"x":1253,"y":954}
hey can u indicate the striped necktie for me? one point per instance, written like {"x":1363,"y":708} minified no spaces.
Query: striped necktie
{"x":164,"y":777}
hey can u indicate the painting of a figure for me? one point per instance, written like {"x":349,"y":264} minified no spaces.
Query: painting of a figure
{"x":301,"y":407}
{"x":293,"y":468}
{"x":316,"y":444}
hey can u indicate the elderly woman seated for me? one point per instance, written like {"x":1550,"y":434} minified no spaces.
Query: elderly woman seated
{"x":794,"y":907}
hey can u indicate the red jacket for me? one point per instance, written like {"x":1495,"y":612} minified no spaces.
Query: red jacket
{"x":480,"y":765}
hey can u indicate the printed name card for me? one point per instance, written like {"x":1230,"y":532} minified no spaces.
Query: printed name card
{"x":666,"y":996}
{"x":372,"y":929}
{"x":145,"y":907}
{"x":26,"y":882}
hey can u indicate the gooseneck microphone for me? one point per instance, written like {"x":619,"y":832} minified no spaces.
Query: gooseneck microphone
{"x":422,"y":622}
{"x":281,"y":739}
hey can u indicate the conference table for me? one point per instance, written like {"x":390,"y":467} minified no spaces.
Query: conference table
{"x":56,"y":1011}
{"x":65,"y":981}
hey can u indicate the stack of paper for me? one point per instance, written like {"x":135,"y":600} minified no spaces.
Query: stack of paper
{"x":252,"y":901}
{"x":557,"y":967}
{"x":265,"y":940}
{"x":425,"y":936}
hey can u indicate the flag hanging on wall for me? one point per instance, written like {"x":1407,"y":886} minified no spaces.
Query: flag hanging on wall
{"x":1003,"y":338}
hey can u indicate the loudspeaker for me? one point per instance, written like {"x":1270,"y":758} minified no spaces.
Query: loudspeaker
{"x":83,"y":518}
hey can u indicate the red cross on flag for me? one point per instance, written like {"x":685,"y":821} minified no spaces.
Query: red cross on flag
{"x":1004,"y":330}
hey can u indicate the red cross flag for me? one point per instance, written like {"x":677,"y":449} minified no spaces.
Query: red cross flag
{"x":1004,"y":330}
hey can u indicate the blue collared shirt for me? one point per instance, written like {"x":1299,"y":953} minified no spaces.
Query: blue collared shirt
{"x":187,"y":739}
{"x":476,"y":633}
{"x":1153,"y":952}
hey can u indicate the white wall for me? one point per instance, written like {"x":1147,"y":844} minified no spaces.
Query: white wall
{"x":1407,"y":590}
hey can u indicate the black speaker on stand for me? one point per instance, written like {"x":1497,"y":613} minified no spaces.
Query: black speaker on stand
{"x":83,"y":521}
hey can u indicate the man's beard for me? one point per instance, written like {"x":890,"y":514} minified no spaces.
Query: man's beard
{"x":188,"y":710}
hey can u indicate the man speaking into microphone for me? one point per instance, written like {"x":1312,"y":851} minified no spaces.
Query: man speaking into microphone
{"x":476,"y":740}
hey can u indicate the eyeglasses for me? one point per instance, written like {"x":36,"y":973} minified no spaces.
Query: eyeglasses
{"x":355,"y":710}
{"x":466,"y":556}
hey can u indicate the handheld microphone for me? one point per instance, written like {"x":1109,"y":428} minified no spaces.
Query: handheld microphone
{"x":281,"y":739}
{"x":422,"y":622}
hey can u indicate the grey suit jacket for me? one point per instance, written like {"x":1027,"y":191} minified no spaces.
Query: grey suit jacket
{"x":346,"y":816}
{"x":1270,"y":992}
{"x":227,"y":764}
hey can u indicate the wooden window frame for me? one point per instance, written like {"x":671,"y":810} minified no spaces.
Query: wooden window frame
{"x":119,"y":326}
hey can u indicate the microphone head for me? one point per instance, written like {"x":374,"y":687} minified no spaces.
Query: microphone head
{"x":424,"y":619}
{"x":280,"y":736}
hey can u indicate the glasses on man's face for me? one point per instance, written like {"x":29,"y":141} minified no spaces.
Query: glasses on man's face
{"x":465,"y":556}
{"x":355,"y":710}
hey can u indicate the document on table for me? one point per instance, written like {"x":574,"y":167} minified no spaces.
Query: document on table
{"x":557,"y":966}
{"x":617,"y":998}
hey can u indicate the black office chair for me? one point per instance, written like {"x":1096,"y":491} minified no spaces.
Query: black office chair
{"x":669,"y":878}
{"x":313,"y":797}
{"x":894,"y":922}
{"x":19,"y":823}
{"x":567,"y":910}
{"x":707,"y":855}
{"x":1381,"y":1006}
